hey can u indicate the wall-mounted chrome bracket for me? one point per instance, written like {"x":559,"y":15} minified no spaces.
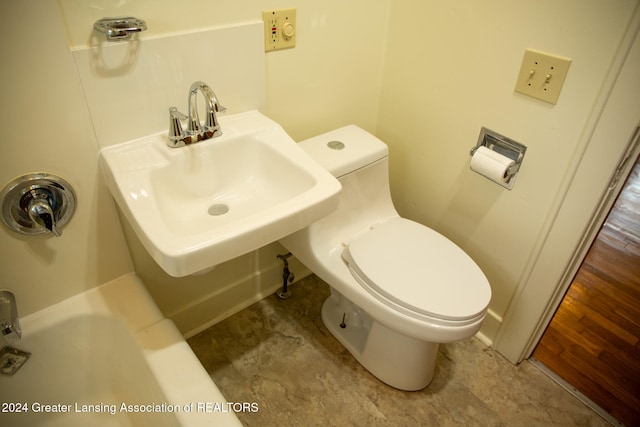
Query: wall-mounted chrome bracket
{"x":120,"y":28}
{"x":504,"y":146}
{"x":37,"y":203}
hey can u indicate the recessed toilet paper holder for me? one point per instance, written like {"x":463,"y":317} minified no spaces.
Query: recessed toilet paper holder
{"x":504,"y":146}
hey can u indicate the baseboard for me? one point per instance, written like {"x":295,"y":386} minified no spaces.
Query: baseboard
{"x":229,"y":300}
{"x":489,"y":328}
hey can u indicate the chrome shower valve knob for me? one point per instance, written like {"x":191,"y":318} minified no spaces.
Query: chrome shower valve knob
{"x":37,"y":203}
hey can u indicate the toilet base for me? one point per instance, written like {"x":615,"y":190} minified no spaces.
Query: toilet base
{"x":399,"y":361}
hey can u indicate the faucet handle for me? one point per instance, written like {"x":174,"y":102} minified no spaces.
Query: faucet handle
{"x":211,"y":121}
{"x":175,"y":114}
{"x":40,"y":204}
{"x":41,"y":213}
{"x":175,"y":126}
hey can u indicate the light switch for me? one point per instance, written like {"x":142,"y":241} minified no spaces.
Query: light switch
{"x":279,"y":29}
{"x":542,"y":75}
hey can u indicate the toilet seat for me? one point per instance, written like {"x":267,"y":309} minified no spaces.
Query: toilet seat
{"x":418,"y":271}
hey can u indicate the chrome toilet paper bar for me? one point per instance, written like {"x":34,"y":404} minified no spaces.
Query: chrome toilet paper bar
{"x":503,"y":146}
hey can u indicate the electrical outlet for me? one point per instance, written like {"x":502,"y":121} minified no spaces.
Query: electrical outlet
{"x":279,"y":29}
{"x":542,"y":75}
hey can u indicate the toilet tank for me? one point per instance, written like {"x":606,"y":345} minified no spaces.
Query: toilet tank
{"x":360,"y":161}
{"x":345,"y":150}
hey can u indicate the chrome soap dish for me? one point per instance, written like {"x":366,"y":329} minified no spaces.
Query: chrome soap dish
{"x":120,"y":28}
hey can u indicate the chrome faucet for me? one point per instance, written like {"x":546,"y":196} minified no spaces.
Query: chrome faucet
{"x":196,"y":131}
{"x":9,"y":325}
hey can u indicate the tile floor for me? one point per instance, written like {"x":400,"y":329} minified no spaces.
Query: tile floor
{"x":278,"y":354}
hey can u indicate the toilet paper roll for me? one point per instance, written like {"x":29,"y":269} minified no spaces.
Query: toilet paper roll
{"x":493,"y":165}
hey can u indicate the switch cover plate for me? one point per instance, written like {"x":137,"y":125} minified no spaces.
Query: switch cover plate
{"x":279,"y":29}
{"x":542,"y":75}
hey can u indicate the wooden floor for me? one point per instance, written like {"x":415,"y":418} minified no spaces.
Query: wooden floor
{"x":593,"y":341}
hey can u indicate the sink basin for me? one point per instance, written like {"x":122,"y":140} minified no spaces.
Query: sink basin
{"x":196,"y":206}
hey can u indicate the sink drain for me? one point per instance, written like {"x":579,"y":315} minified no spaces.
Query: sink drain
{"x":218,"y":209}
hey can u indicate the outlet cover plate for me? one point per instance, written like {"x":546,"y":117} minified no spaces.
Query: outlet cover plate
{"x":279,"y":29}
{"x":542,"y":75}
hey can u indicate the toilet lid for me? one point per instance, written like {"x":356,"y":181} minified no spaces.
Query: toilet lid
{"x":418,"y":269}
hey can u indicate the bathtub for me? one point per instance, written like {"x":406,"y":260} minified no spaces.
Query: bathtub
{"x":107,"y":357}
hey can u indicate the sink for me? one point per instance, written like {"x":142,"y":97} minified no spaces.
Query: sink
{"x":196,"y":206}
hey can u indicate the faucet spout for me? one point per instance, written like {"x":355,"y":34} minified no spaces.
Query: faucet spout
{"x":211,"y":127}
{"x":9,"y":324}
{"x":196,"y":131}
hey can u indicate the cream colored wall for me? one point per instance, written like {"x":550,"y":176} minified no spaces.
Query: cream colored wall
{"x":46,"y":127}
{"x":450,"y":69}
{"x":331,"y":78}
{"x":592,"y":186}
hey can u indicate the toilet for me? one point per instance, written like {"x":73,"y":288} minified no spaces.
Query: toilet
{"x":398,"y":288}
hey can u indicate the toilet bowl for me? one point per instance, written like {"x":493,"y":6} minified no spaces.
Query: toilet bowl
{"x":398,"y":288}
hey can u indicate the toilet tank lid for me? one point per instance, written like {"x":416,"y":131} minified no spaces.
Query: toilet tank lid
{"x":345,"y":150}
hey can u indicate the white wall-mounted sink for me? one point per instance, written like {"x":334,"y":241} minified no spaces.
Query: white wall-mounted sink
{"x":196,"y":206}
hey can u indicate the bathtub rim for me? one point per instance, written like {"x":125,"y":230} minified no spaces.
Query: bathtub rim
{"x":161,"y":343}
